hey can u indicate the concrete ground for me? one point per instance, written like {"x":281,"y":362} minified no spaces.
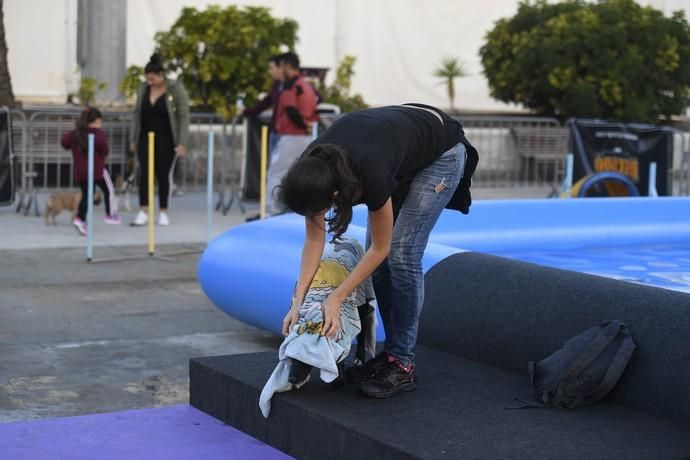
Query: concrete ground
{"x":79,"y":338}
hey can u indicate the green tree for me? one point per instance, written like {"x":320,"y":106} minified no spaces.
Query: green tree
{"x":134,"y":76}
{"x":451,"y":68}
{"x":613,"y":59}
{"x":221,"y":54}
{"x":339,"y":92}
{"x":88,"y":88}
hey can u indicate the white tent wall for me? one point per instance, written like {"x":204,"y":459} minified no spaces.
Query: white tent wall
{"x":42,"y":39}
{"x":398,"y":43}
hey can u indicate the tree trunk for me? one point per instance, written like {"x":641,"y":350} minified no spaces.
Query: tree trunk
{"x":6,"y":94}
{"x":451,"y":94}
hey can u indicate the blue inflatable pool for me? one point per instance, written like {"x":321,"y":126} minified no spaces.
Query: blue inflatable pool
{"x":249,"y":272}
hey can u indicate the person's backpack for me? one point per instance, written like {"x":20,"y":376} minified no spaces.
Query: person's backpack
{"x":585,"y":369}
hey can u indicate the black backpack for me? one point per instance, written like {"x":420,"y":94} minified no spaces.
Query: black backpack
{"x":585,"y":369}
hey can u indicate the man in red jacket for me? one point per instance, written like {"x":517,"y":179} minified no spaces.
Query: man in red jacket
{"x":297,"y":102}
{"x":296,"y":114}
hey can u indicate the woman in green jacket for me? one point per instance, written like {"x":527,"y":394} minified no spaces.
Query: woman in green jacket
{"x":162,"y":107}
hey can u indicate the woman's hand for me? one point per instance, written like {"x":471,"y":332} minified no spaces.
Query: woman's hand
{"x":133,"y":148}
{"x":330,"y":309}
{"x":180,"y":150}
{"x":290,"y":320}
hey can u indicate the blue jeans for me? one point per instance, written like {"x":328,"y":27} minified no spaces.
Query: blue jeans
{"x":399,"y":281}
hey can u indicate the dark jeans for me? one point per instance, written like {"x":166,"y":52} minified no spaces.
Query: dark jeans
{"x":399,"y":281}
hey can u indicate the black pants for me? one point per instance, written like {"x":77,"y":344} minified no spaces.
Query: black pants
{"x":164,"y":165}
{"x":108,"y":189}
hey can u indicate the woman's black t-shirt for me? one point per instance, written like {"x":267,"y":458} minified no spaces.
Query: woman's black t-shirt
{"x":389,"y":145}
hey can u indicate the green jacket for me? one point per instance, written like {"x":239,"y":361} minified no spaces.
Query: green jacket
{"x":177,"y":103}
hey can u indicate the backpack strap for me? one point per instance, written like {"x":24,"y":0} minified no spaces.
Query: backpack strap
{"x":613,"y":373}
{"x":525,"y":405}
{"x":555,"y":401}
{"x":598,"y":345}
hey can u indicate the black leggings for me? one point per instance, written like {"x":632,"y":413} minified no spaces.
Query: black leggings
{"x":108,"y":189}
{"x":164,"y":165}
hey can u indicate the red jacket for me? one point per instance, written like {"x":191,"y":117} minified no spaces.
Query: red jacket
{"x":296,"y":107}
{"x":80,"y":160}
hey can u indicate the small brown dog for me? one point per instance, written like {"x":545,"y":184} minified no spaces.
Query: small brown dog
{"x":67,"y":201}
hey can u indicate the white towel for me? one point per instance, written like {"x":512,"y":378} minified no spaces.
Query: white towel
{"x":305,"y":342}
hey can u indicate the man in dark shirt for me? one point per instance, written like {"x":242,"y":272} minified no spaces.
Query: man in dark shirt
{"x":406,"y":163}
{"x":270,"y":100}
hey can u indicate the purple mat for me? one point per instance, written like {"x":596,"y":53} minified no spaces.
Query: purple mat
{"x":178,"y":432}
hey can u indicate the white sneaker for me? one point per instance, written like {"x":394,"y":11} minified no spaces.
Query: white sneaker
{"x":141,"y":219}
{"x":163,"y":219}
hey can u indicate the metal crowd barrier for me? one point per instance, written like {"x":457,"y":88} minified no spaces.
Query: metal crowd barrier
{"x":45,"y":166}
{"x":515,"y":151}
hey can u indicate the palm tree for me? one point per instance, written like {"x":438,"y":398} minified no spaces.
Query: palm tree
{"x":451,"y":68}
{"x":6,"y":94}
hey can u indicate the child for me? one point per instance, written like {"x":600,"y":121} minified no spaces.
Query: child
{"x":90,"y":122}
{"x":306,"y":346}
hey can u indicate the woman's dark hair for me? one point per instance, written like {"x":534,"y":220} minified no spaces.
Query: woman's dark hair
{"x":88,"y":116}
{"x":322,"y":178}
{"x":275,"y":59}
{"x":154,"y":65}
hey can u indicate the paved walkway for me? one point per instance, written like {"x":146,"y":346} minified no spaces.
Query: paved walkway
{"x":187,"y":213}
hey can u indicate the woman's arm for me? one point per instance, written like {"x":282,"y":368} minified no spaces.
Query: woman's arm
{"x":135,"y":125}
{"x":381,"y":228}
{"x":182,"y":112}
{"x":311,"y":255}
{"x":260,"y":106}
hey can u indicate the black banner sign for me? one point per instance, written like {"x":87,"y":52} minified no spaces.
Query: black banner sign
{"x":622,"y":149}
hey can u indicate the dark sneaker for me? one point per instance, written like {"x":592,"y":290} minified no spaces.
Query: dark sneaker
{"x":298,"y":372}
{"x":394,"y":378}
{"x":367,"y":370}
